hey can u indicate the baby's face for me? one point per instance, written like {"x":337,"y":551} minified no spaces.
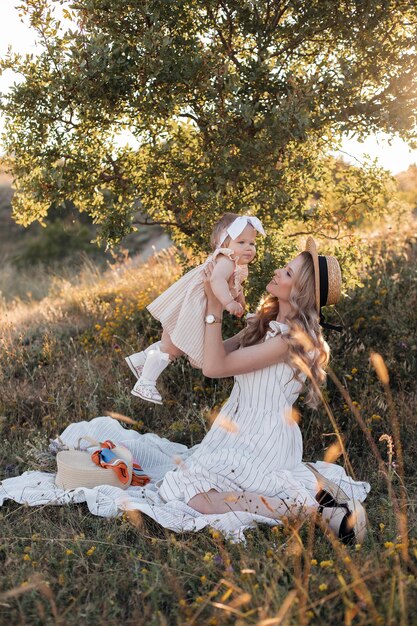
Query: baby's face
{"x":244,"y":246}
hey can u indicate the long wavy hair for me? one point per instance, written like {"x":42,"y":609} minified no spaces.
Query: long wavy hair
{"x":308,"y":352}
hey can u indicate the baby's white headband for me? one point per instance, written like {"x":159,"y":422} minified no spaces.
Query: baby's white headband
{"x":239,"y":225}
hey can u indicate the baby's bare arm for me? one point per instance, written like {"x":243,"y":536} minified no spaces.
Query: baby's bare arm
{"x":220,"y":276}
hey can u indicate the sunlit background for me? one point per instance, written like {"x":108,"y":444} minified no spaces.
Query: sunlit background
{"x":392,"y":153}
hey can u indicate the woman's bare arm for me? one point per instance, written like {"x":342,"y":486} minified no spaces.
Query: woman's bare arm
{"x":218,"y":363}
{"x":232,"y":343}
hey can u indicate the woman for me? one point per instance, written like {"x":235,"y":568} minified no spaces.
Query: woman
{"x":251,"y":460}
{"x":248,"y":469}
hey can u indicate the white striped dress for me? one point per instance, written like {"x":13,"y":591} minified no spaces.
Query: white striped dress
{"x":254,"y":445}
{"x":181,"y":308}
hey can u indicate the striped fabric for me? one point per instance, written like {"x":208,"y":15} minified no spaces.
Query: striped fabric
{"x":252,"y":446}
{"x":182,"y":307}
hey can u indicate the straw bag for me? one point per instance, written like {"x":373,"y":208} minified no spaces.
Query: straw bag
{"x":77,"y":469}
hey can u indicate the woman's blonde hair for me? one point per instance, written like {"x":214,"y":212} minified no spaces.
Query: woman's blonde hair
{"x":308,"y":352}
{"x":219,"y":228}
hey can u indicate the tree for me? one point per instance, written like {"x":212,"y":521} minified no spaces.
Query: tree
{"x":234,"y":105}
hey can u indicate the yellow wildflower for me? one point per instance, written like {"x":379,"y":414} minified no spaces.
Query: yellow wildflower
{"x":91,"y":551}
{"x":326,"y":563}
{"x":313,"y":561}
{"x":26,"y":557}
{"x":354,"y":370}
{"x":68,"y":552}
{"x":358,"y":322}
{"x":323,"y":587}
{"x":388,"y":544}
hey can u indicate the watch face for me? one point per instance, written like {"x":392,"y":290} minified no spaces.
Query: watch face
{"x":210,"y":319}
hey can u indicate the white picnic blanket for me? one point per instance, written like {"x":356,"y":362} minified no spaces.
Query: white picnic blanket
{"x":156,"y":455}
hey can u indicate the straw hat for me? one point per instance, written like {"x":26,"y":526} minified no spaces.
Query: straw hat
{"x":327,"y":274}
{"x":76,"y":468}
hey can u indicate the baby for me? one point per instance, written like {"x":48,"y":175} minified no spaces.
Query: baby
{"x":181,"y":309}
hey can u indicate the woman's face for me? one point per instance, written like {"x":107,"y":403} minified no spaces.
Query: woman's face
{"x":282,"y":283}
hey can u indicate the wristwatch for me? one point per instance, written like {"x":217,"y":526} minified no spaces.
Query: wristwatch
{"x":211,"y":319}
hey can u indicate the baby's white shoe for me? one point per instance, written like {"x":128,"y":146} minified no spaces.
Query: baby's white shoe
{"x":147,"y":391}
{"x":156,"y":362}
{"x":137,"y":360}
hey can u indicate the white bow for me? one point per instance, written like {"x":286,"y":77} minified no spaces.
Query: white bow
{"x":239,"y":225}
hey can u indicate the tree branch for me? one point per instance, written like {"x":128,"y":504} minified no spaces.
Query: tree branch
{"x":182,"y":227}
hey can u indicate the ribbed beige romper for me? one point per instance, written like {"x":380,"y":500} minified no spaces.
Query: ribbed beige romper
{"x":181,"y":308}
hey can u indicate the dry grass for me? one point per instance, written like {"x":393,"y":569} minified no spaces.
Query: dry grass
{"x":61,"y":361}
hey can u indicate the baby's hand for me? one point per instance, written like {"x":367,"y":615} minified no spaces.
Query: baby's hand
{"x":235,"y":308}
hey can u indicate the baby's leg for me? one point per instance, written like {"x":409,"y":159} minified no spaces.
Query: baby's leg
{"x":137,"y":360}
{"x":168,"y":347}
{"x":157,"y":360}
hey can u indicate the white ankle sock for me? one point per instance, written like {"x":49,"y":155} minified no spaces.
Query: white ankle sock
{"x":156,"y":362}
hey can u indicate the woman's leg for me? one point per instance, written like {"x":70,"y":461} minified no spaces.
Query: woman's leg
{"x":223,"y":502}
{"x":348,"y":522}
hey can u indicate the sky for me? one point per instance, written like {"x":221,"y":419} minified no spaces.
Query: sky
{"x":395,"y":157}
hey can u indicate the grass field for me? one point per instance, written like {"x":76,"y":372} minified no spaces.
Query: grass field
{"x":61,"y":361}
